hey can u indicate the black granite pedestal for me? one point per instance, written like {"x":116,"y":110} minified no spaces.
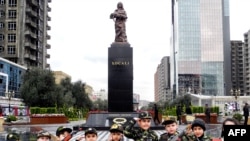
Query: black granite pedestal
{"x":120,"y":78}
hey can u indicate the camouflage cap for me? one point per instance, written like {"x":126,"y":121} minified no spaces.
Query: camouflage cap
{"x":146,"y":115}
{"x":168,"y":121}
{"x":61,"y":129}
{"x":116,"y":128}
{"x":90,"y":131}
{"x":13,"y":137}
{"x":44,"y":133}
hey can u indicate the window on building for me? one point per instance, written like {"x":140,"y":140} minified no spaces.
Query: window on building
{"x":12,"y":14}
{"x":1,"y":25}
{"x":11,"y":50}
{"x":1,"y":37}
{"x":2,"y":14}
{"x":12,"y":3}
{"x":11,"y":25}
{"x":11,"y":38}
{"x":2,"y":2}
{"x":1,"y":50}
{"x":1,"y":66}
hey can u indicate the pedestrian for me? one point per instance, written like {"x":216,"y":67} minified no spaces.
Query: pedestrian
{"x":228,"y":121}
{"x":91,"y":134}
{"x":188,"y":109}
{"x":13,"y":137}
{"x":246,"y":113}
{"x":43,"y":136}
{"x":143,"y":132}
{"x":171,"y":134}
{"x":179,"y":113}
{"x":116,"y":132}
{"x":207,"y":113}
{"x":156,"y":117}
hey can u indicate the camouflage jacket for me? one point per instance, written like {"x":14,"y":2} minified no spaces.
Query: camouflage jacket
{"x":193,"y":138}
{"x":167,"y":137}
{"x":139,"y":134}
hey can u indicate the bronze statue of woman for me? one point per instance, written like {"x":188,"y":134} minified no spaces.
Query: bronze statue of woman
{"x":119,"y":16}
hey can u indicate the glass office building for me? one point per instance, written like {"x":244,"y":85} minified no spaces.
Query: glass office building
{"x":10,"y":77}
{"x":200,"y":47}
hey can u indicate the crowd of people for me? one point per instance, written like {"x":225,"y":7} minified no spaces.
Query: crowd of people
{"x":193,"y":132}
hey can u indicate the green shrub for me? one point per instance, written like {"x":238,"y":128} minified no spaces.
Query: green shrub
{"x":237,"y":116}
{"x":11,"y":118}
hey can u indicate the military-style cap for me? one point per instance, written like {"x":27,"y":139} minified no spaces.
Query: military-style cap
{"x":44,"y":133}
{"x":13,"y":137}
{"x":61,"y":129}
{"x":168,"y":121}
{"x":90,"y":131}
{"x":116,"y":128}
{"x":145,"y":115}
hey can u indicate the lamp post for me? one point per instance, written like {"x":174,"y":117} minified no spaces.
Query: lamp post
{"x":236,"y":95}
{"x":9,"y":94}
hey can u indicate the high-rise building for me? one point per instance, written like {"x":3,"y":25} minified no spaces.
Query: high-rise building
{"x":237,"y":59}
{"x":23,"y":32}
{"x":247,"y":63}
{"x":200,"y":52}
{"x":162,"y":81}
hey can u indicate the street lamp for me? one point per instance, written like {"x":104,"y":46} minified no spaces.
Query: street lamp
{"x":9,"y":94}
{"x":236,"y":95}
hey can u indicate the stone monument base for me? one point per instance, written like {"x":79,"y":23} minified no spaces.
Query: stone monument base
{"x":104,"y":120}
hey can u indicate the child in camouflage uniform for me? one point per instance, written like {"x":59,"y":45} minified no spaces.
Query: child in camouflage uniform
{"x":116,"y":132}
{"x":171,"y":131}
{"x":198,"y":128}
{"x":91,"y":134}
{"x":143,"y":133}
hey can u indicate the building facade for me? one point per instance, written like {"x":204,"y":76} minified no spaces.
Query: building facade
{"x":24,"y":32}
{"x":200,"y":52}
{"x":60,"y":75}
{"x":237,"y":60}
{"x":162,"y":80}
{"x":247,"y":63}
{"x":10,"y":77}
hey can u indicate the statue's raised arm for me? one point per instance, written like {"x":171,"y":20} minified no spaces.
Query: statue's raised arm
{"x":119,"y":16}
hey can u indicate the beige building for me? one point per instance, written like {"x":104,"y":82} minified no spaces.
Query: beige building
{"x":88,"y":89}
{"x":162,"y":81}
{"x":24,"y":32}
{"x":59,"y":76}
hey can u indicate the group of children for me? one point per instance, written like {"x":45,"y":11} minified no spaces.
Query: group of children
{"x":193,"y":132}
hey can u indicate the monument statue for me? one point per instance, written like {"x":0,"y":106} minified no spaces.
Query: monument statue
{"x":119,"y":16}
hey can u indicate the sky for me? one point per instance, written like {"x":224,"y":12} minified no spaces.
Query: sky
{"x":81,"y":33}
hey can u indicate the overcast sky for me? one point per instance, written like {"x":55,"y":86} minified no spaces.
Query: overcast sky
{"x":81,"y":33}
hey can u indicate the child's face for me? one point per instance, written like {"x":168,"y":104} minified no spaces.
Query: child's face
{"x":198,"y":131}
{"x":116,"y":136}
{"x":229,"y":123}
{"x":61,"y":136}
{"x":66,"y":133}
{"x":171,"y":128}
{"x":43,"y":139}
{"x":90,"y":137}
{"x":144,"y":123}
